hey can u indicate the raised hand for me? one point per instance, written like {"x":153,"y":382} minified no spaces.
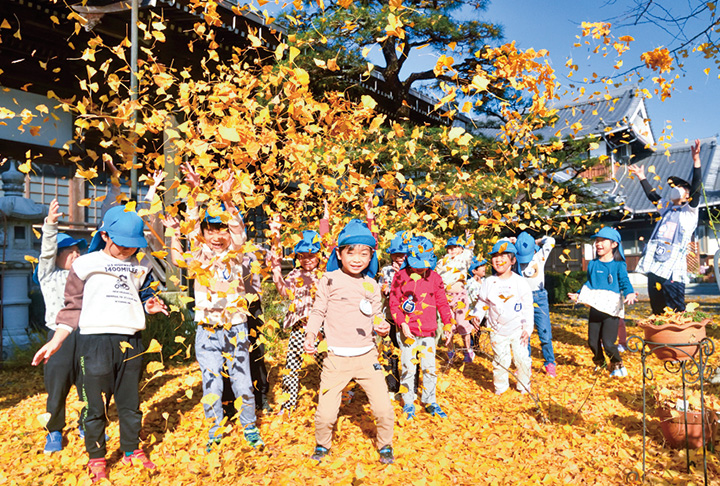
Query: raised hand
{"x":637,"y":170}
{"x":192,"y":177}
{"x":171,"y":222}
{"x":54,"y":212}
{"x":695,"y":150}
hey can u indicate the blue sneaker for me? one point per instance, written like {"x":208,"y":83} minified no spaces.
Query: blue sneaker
{"x":215,"y":441}
{"x":252,"y":436}
{"x":320,"y":453}
{"x":53,"y":442}
{"x":81,"y":433}
{"x":409,"y":410}
{"x":435,"y":410}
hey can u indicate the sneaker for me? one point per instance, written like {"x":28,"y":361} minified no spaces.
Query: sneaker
{"x":96,"y":468}
{"x":138,"y":457}
{"x":550,"y":370}
{"x":469,"y":356}
{"x":320,"y":453}
{"x":252,"y":436}
{"x":386,"y":455}
{"x":619,"y":372}
{"x":53,"y":442}
{"x":211,"y":443}
{"x":435,"y":410}
{"x":409,"y":410}
{"x":81,"y":432}
{"x":621,"y":348}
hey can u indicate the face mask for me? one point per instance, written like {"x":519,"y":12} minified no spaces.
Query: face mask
{"x":676,"y":193}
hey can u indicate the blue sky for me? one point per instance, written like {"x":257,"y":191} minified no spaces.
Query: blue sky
{"x":693,"y":110}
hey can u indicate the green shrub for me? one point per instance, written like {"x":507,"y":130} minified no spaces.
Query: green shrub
{"x":558,"y":285}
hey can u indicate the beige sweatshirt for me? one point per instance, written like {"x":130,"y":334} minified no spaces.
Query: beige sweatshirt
{"x":337,"y":305}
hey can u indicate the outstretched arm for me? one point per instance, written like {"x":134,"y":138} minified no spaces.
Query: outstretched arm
{"x":696,"y":176}
{"x":639,"y":172}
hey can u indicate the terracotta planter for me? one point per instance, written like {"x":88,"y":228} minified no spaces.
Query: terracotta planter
{"x":673,"y":428}
{"x":672,"y":333}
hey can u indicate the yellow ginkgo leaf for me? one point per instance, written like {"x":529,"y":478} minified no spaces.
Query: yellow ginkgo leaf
{"x":209,"y":399}
{"x":124,"y":345}
{"x":154,"y":347}
{"x":43,"y":419}
{"x":369,"y":286}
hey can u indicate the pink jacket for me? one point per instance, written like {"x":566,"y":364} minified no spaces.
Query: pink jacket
{"x":428,"y":297}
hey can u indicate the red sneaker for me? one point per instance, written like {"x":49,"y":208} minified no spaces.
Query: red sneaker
{"x":96,"y":468}
{"x":138,"y":456}
{"x":550,"y":370}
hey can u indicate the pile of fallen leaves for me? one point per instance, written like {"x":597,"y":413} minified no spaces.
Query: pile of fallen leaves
{"x":585,"y":428}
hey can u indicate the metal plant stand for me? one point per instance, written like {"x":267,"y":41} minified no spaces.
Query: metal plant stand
{"x":692,"y":371}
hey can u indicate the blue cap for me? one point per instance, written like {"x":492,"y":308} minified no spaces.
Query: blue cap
{"x":355,"y":232}
{"x":64,"y":240}
{"x":125,"y":228}
{"x":454,"y":241}
{"x":526,"y":247}
{"x":310,"y":242}
{"x":503,"y":246}
{"x":475,"y":263}
{"x":214,"y":219}
{"x":420,"y":254}
{"x":611,"y":234}
{"x":399,"y":243}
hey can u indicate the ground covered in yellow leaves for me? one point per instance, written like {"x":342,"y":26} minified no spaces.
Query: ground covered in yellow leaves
{"x":585,"y":428}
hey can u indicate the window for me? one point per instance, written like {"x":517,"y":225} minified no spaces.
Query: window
{"x":51,"y":182}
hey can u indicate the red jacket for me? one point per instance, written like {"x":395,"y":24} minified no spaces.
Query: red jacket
{"x":428,"y":296}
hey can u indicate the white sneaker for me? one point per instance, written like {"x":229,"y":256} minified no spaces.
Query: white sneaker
{"x":619,"y":372}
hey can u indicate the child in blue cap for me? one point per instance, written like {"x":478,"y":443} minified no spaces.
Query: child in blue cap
{"x":506,"y":299}
{"x":398,"y":252}
{"x":222,"y":343}
{"x":532,"y":255}
{"x":348,"y":304}
{"x":57,"y":254}
{"x":106,"y":297}
{"x":417,"y":296}
{"x":299,"y":286}
{"x":453,"y":268}
{"x":606,"y":292}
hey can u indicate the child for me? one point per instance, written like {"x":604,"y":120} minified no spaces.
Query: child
{"x":349,"y":305}
{"x":222,"y":339}
{"x":664,"y":259}
{"x":607,"y":283}
{"x":531,"y":257}
{"x":476,"y":274}
{"x":417,"y":295}
{"x":57,"y":254}
{"x":506,"y":299}
{"x":299,"y":286}
{"x":398,"y":251}
{"x":453,"y":269}
{"x":105,"y":296}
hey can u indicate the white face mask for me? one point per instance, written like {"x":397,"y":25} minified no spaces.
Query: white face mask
{"x":677,"y":193}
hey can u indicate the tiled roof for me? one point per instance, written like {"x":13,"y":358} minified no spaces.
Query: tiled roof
{"x":679,"y":163}
{"x":595,"y":113}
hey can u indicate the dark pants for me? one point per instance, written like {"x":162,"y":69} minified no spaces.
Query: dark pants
{"x":670,"y":294}
{"x":258,"y":370}
{"x":392,"y":365}
{"x":61,"y":372}
{"x":602,"y":334}
{"x":107,"y":372}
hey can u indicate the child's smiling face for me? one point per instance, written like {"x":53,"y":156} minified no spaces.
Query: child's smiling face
{"x":354,"y":258}
{"x":397,"y":258}
{"x":66,"y":256}
{"x":217,"y":237}
{"x":604,"y":248}
{"x":308,"y":261}
{"x":454,"y":250}
{"x":502,"y":263}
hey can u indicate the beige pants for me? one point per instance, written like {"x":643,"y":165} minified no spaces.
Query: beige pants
{"x":336,"y":374}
